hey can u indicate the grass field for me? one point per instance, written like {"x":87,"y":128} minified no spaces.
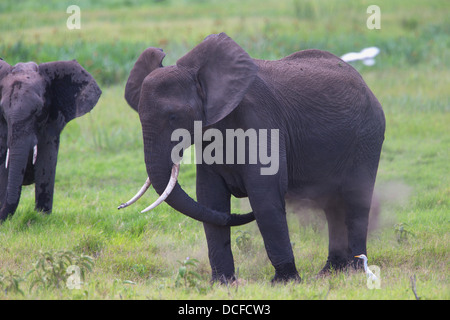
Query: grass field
{"x":100,"y":165}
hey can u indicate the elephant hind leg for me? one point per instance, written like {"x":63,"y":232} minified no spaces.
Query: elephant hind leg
{"x":357,"y":194}
{"x":338,"y":250}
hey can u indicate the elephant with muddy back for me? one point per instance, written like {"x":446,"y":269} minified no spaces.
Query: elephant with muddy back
{"x":330,"y":132}
{"x":36,"y":102}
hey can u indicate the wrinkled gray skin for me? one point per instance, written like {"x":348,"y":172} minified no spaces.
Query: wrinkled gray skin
{"x":36,"y":102}
{"x":331,"y":133}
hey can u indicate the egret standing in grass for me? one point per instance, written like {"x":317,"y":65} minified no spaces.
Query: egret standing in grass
{"x":370,"y":275}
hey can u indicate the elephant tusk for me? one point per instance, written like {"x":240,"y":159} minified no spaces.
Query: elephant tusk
{"x":140,"y":193}
{"x":7,"y":159}
{"x":168,"y":190}
{"x":35,"y":150}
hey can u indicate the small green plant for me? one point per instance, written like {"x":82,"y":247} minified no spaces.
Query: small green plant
{"x":11,"y":283}
{"x":53,"y":269}
{"x":243,"y":241}
{"x":402,"y":232}
{"x":186,"y":276}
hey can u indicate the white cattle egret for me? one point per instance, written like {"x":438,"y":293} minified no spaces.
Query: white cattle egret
{"x":367,"y":56}
{"x":370,"y":274}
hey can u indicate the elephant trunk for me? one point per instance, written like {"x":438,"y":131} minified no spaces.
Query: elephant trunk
{"x":159,"y":170}
{"x":18,"y":157}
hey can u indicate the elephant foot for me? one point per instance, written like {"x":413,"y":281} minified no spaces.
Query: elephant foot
{"x":285,"y":273}
{"x":7,"y":210}
{"x":335,"y":264}
{"x":338,"y":264}
{"x":356,"y":263}
{"x":223,"y":279}
{"x":43,"y":210}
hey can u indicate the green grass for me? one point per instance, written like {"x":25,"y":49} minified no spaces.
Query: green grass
{"x":100,"y":165}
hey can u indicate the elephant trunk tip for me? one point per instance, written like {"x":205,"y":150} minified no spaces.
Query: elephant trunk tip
{"x":240,"y":219}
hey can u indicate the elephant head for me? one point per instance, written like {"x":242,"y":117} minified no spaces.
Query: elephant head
{"x":206,"y":85}
{"x":36,"y":102}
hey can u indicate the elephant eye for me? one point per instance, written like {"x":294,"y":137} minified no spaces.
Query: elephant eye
{"x":172,"y":117}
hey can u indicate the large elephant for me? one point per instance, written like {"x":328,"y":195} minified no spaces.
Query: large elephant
{"x":330,"y":132}
{"x":36,"y":102}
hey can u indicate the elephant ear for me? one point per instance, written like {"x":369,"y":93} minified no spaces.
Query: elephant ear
{"x":148,"y":61}
{"x":71,"y":91}
{"x":5,"y":68}
{"x":224,"y":72}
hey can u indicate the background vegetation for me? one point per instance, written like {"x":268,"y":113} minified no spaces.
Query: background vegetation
{"x":136,"y":256}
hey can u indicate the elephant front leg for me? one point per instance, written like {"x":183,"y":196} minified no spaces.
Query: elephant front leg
{"x":271,"y":218}
{"x":3,"y":169}
{"x":212,"y":193}
{"x":219,"y":253}
{"x":45,"y":171}
{"x":274,"y":230}
{"x":3,"y":182}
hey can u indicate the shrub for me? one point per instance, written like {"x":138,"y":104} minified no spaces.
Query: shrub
{"x":54,"y":269}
